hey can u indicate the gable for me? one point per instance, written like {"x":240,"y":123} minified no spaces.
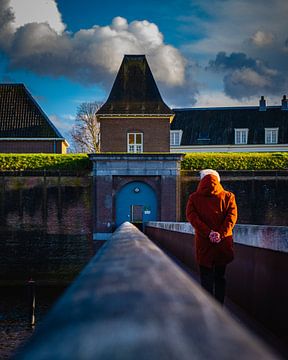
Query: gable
{"x":21,"y":116}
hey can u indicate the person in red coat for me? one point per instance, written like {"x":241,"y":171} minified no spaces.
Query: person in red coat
{"x":212,"y":211}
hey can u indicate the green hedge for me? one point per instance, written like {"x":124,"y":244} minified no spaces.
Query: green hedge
{"x":235,"y":161}
{"x":193,"y":161}
{"x":11,"y":162}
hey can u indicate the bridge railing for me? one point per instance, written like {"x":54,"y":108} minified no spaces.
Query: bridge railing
{"x":132,"y":302}
{"x":255,"y":278}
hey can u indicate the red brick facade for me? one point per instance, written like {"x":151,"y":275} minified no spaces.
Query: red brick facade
{"x":156,"y":133}
{"x":33,"y":146}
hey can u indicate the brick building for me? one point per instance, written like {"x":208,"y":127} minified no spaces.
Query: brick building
{"x":135,"y":119}
{"x":136,"y":178}
{"x":24,"y":127}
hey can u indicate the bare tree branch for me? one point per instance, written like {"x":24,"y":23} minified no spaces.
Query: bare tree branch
{"x":86,"y":131}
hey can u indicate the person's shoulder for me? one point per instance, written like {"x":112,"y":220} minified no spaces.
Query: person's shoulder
{"x":192,"y":195}
{"x":229,"y":194}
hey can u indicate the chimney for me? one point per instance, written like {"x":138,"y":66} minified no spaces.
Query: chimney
{"x":284,"y":103}
{"x":262,"y":104}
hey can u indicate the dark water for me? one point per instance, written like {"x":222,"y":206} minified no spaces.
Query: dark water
{"x":45,"y":233}
{"x":15,"y":328}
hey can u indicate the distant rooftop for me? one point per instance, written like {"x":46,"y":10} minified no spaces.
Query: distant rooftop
{"x":244,"y":107}
{"x":134,"y":90}
{"x":21,"y":116}
{"x":215,"y":125}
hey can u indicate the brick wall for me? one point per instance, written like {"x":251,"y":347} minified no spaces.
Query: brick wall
{"x":34,"y":146}
{"x":156,"y":133}
{"x":261,"y":196}
{"x":45,"y":227}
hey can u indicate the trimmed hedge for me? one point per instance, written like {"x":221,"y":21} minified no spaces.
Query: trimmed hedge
{"x":20,"y":162}
{"x":192,"y":161}
{"x":235,"y":161}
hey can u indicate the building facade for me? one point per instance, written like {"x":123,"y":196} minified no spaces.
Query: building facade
{"x":134,"y":118}
{"x":136,"y":178}
{"x":231,"y":129}
{"x":24,"y":127}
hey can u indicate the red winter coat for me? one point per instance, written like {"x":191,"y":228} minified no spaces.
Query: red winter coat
{"x":212,"y":208}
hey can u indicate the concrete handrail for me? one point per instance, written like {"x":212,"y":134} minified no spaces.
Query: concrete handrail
{"x":132,"y":302}
{"x":261,"y":236}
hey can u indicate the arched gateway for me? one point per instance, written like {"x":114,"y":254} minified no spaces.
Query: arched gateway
{"x":136,"y":202}
{"x":135,"y":151}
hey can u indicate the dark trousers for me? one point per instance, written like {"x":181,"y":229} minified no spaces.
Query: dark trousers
{"x":213,"y":280}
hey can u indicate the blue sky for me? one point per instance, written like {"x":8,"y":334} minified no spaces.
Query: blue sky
{"x":202,"y":53}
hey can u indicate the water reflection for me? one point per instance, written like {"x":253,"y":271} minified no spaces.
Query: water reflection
{"x":15,"y":328}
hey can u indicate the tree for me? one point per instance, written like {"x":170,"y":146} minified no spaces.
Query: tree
{"x":86,"y":131}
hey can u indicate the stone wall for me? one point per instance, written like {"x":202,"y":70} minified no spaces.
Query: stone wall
{"x":45,"y":226}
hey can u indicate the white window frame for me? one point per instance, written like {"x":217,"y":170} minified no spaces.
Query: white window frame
{"x":271,"y":136}
{"x":135,"y":148}
{"x":241,"y":136}
{"x":175,"y":137}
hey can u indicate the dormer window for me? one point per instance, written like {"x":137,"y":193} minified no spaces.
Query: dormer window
{"x":241,"y":136}
{"x":271,"y":135}
{"x":175,"y":137}
{"x":135,"y":142}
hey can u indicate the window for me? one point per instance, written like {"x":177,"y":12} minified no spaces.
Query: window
{"x":175,"y":137}
{"x":271,"y":136}
{"x":241,"y":136}
{"x":135,"y":142}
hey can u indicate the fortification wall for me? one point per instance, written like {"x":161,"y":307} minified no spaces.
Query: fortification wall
{"x":45,"y":226}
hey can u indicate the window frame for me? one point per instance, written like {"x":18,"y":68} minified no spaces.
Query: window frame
{"x":135,"y":144}
{"x":241,"y":131}
{"x":271,"y":130}
{"x":173,"y":133}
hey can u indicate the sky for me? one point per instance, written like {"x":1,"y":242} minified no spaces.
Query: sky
{"x":203,"y":53}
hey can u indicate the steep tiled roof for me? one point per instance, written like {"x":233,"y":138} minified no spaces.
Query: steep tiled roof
{"x":134,"y":90}
{"x":215,"y":126}
{"x":21,"y":116}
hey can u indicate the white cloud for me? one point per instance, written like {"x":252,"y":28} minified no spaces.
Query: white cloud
{"x":62,"y":124}
{"x":218,"y":99}
{"x":89,"y":55}
{"x":37,"y":11}
{"x":249,"y":77}
{"x":69,"y":117}
{"x":261,"y":38}
{"x":257,"y":31}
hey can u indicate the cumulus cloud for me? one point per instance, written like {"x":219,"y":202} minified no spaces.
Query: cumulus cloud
{"x":217,"y":98}
{"x":261,"y":38}
{"x":92,"y":56}
{"x":37,"y":11}
{"x":233,"y":61}
{"x":254,"y":34}
{"x":245,"y":77}
{"x":245,"y":83}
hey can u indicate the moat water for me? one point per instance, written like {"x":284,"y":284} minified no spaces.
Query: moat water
{"x":15,"y":321}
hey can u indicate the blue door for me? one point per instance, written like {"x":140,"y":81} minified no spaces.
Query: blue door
{"x":136,"y":202}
